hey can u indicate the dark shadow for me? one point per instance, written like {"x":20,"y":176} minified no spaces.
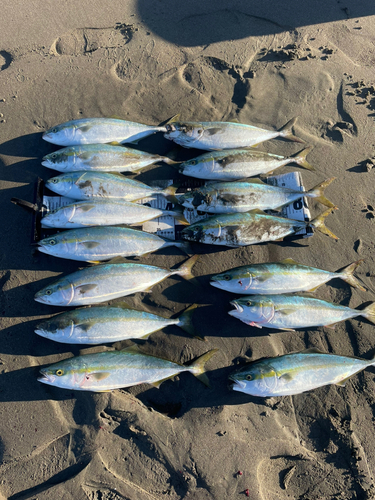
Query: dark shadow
{"x":205,"y":22}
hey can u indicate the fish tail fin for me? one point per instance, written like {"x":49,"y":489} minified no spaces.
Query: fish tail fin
{"x":318,"y":192}
{"x":186,"y":321}
{"x":185,"y":269}
{"x":197,"y":368}
{"x":178,"y":214}
{"x":287,"y":132}
{"x":169,"y":161}
{"x":347,"y":275}
{"x":170,"y":192}
{"x":300,"y":159}
{"x":369,"y":312}
{"x":318,"y":223}
{"x":184,"y":246}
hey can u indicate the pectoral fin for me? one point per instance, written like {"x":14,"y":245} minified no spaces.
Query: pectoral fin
{"x":99,"y":375}
{"x":286,"y":376}
{"x":286,"y":312}
{"x":89,"y":244}
{"x":86,"y":288}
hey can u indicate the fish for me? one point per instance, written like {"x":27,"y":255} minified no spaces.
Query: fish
{"x":109,"y":370}
{"x":250,"y":228}
{"x":104,"y":282}
{"x":286,"y":276}
{"x":295,"y":373}
{"x":223,"y":135}
{"x":95,"y":244}
{"x":101,"y":158}
{"x":236,"y":164}
{"x":243,"y":196}
{"x":288,"y":312}
{"x":105,"y":213}
{"x":103,"y":324}
{"x":100,"y":185}
{"x":98,"y":131}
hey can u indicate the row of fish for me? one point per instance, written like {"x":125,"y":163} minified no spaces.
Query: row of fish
{"x":289,"y":374}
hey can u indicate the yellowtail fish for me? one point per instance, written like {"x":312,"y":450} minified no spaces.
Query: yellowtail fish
{"x":105,"y":213}
{"x":296,"y":373}
{"x":101,"y":158}
{"x":98,"y":131}
{"x":106,"y":371}
{"x":236,"y":164}
{"x":223,"y":135}
{"x":98,"y":325}
{"x":104,"y":282}
{"x":280,"y":277}
{"x":287,"y":312}
{"x":243,"y":196}
{"x":97,"y":243}
{"x":100,"y":185}
{"x":241,"y":229}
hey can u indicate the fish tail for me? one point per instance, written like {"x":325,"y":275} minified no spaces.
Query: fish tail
{"x":287,"y":132}
{"x":185,"y":269}
{"x":170,"y":192}
{"x":178,"y":214}
{"x":186,"y":321}
{"x":318,"y":192}
{"x":369,"y":312}
{"x":169,"y":161}
{"x":185,"y":246}
{"x":347,"y":275}
{"x":318,"y":223}
{"x":197,"y":367}
{"x":300,"y":159}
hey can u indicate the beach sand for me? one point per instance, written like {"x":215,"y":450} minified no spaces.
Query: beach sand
{"x":146,"y":61}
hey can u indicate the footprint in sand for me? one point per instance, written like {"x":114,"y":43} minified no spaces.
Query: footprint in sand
{"x":5,"y":59}
{"x":86,"y":40}
{"x":369,"y":212}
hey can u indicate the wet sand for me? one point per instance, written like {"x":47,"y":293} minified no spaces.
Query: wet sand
{"x":145,"y":61}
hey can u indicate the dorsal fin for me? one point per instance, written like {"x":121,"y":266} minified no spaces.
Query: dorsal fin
{"x":312,"y":350}
{"x":288,"y":261}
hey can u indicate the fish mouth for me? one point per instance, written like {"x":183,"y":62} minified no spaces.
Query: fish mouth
{"x":47,"y":136}
{"x":216,"y":283}
{"x":44,"y":249}
{"x":45,"y":378}
{"x":40,"y":332}
{"x":238,"y":309}
{"x":236,"y":385}
{"x":40,"y":298}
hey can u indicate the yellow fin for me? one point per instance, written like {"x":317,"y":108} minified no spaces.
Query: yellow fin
{"x":158,"y":383}
{"x":313,"y":289}
{"x":288,"y":261}
{"x":99,"y":375}
{"x":175,"y":118}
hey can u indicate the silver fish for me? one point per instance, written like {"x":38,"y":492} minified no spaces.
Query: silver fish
{"x":98,"y":131}
{"x":98,"y":325}
{"x":96,"y":284}
{"x":97,"y":243}
{"x":100,"y":185}
{"x":105,"y":371}
{"x":243,"y":196}
{"x":241,"y":229}
{"x":223,"y":135}
{"x":287,"y":312}
{"x":235,"y":164}
{"x":105,"y":213}
{"x":285,"y":276}
{"x":101,"y":158}
{"x":296,"y":373}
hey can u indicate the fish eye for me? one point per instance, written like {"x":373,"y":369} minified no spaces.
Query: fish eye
{"x":59,"y":372}
{"x":227,"y":277}
{"x":54,"y":180}
{"x":52,"y":242}
{"x":54,"y":155}
{"x":249,"y":377}
{"x":249,"y":303}
{"x":49,"y":291}
{"x":193,"y":162}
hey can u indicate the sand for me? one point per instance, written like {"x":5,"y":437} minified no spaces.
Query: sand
{"x":259,"y":63}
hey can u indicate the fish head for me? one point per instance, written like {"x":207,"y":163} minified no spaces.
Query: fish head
{"x":254,"y":310}
{"x":59,"y":293}
{"x":56,"y":328}
{"x":67,"y":374}
{"x":58,"y":245}
{"x":185,"y":134}
{"x":59,"y":217}
{"x":255,"y":379}
{"x":193,"y":232}
{"x":62,"y":135}
{"x":233,"y":280}
{"x":61,"y":184}
{"x":63,"y":160}
{"x":198,"y":198}
{"x":201,"y":167}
